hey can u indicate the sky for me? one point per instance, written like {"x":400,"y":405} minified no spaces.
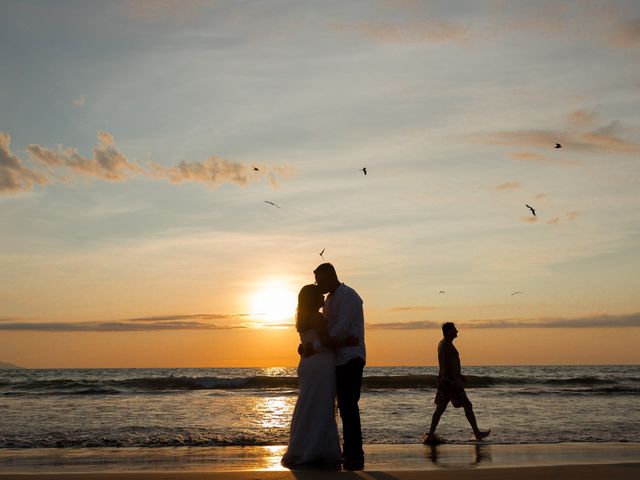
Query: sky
{"x":141,"y":140}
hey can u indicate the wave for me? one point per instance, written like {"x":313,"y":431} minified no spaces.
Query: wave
{"x":258,"y":382}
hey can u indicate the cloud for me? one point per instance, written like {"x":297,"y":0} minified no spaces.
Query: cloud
{"x":530,"y":157}
{"x":572,"y":216}
{"x":142,"y":324}
{"x":417,"y":308}
{"x":626,"y":34}
{"x":14,"y":176}
{"x":216,"y":170}
{"x":196,"y":316}
{"x":417,"y":325}
{"x":605,"y":139}
{"x":631,"y":320}
{"x":80,"y":101}
{"x":582,"y":118}
{"x":203,"y":322}
{"x":107,"y":163}
{"x":529,"y":219}
{"x":509,"y":186}
{"x":553,"y":221}
{"x":424,"y":31}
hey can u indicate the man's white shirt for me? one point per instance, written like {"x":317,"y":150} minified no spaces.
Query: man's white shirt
{"x":345,"y":317}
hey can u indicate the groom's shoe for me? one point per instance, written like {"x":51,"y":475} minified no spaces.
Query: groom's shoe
{"x":353,"y":463}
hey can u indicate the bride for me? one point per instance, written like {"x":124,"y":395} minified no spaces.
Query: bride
{"x":313,"y":438}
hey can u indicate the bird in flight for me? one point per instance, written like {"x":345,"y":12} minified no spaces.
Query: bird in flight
{"x":256,"y":169}
{"x":271,"y":203}
{"x":364,"y":170}
{"x":532,"y":209}
{"x":516,"y":293}
{"x":322,"y":254}
{"x":558,"y":145}
{"x":441,"y":292}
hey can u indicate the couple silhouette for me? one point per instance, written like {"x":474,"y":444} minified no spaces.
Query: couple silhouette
{"x":332,"y":359}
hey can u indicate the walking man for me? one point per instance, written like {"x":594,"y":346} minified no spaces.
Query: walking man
{"x":451,"y":386}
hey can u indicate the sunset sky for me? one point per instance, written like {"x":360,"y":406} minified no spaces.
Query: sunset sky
{"x":135,"y":231}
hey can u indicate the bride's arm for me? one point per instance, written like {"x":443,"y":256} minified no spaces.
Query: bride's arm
{"x":320,"y":325}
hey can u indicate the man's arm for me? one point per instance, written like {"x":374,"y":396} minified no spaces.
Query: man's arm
{"x":348,"y":311}
{"x":450,"y":362}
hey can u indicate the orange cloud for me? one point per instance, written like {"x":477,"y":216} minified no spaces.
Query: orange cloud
{"x":627,"y":34}
{"x":582,"y":118}
{"x":14,"y":176}
{"x":80,"y":101}
{"x":216,"y":170}
{"x":107,"y":163}
{"x":417,"y":308}
{"x":530,"y":157}
{"x":509,"y":186}
{"x":553,"y":221}
{"x":601,"y":140}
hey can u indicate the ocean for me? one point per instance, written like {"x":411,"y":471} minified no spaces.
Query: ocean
{"x":208,"y":407}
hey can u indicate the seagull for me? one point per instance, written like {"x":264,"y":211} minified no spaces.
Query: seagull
{"x":531,"y":208}
{"x":441,"y":292}
{"x":271,"y":203}
{"x":321,"y":254}
{"x":364,"y":170}
{"x":516,"y":293}
{"x":558,"y":145}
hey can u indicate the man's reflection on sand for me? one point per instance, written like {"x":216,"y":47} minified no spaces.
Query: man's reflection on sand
{"x":449,"y":458}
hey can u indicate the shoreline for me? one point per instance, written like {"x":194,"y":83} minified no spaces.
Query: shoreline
{"x":563,"y":472}
{"x":405,"y":458}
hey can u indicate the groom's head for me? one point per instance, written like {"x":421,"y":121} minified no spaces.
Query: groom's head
{"x":326,"y":277}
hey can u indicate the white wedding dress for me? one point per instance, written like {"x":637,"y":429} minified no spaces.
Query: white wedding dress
{"x":313,"y":437}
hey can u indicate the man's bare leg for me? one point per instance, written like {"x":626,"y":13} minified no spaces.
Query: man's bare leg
{"x":431,"y":437}
{"x":479,"y":434}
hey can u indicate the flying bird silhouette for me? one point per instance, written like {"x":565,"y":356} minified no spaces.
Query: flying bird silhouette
{"x":256,"y":169}
{"x":271,"y":203}
{"x":558,"y":145}
{"x":516,"y":293}
{"x":532,"y":209}
{"x":322,"y":254}
{"x":364,"y":170}
{"x":441,"y":292}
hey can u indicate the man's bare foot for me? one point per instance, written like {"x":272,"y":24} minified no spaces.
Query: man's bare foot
{"x":480,"y":434}
{"x":434,"y":439}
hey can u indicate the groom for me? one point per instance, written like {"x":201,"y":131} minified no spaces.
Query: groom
{"x":345,"y":318}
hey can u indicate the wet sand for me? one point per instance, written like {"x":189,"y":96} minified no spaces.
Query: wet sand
{"x":580,"y":461}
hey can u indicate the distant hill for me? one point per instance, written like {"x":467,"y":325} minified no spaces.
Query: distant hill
{"x":7,"y":366}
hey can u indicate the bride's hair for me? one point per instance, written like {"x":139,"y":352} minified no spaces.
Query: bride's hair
{"x":308,"y":299}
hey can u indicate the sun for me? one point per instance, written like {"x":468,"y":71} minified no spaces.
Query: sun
{"x":274,"y":303}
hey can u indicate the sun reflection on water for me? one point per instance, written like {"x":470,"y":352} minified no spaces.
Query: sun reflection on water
{"x":274,"y":412}
{"x":272,"y":457}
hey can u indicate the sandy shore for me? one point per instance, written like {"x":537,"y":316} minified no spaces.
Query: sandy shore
{"x":561,"y":472}
{"x":580,"y":461}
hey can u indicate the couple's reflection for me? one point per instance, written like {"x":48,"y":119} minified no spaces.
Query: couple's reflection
{"x":479,"y":453}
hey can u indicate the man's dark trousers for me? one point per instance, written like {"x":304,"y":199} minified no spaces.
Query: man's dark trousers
{"x":348,"y":383}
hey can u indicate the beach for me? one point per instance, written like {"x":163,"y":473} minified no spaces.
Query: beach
{"x":384,"y":462}
{"x":233,"y":423}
